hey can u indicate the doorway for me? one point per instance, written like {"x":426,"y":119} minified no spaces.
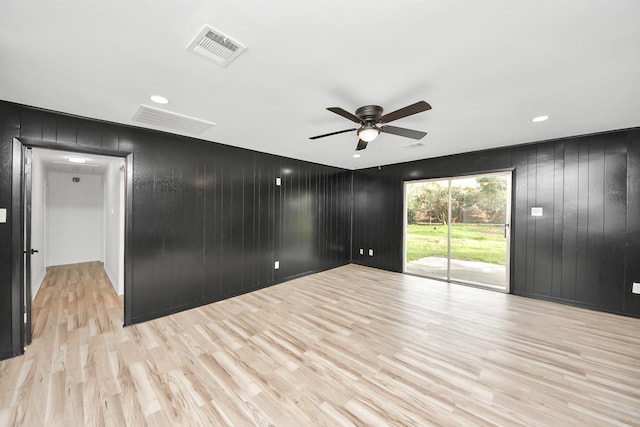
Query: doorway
{"x":458,"y":229}
{"x":53,"y":226}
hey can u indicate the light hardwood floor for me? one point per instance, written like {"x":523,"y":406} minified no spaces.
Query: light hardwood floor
{"x":350,"y":346}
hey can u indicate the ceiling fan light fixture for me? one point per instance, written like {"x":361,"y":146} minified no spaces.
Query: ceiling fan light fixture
{"x":368,"y":133}
{"x":369,"y":116}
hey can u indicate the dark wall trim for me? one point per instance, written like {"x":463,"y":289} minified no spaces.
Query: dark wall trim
{"x":128,"y":239}
{"x":128,"y":156}
{"x":17,"y":251}
{"x":53,"y":145}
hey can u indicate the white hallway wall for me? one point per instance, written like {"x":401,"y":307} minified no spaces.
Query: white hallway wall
{"x":114,"y":225}
{"x":74,"y":218}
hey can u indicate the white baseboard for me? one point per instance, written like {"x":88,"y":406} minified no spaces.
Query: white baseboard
{"x":111,"y":277}
{"x":38,"y":283}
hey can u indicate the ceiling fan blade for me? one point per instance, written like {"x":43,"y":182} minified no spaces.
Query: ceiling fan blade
{"x":418,"y":107}
{"x":344,"y":113}
{"x":332,"y":133}
{"x":361,"y":145}
{"x":409,"y":133}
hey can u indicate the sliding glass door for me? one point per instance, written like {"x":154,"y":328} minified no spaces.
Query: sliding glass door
{"x":457,"y":229}
{"x":427,"y":234}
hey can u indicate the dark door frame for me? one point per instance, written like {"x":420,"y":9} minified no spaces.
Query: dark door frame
{"x":28,"y":248}
{"x":18,"y":212}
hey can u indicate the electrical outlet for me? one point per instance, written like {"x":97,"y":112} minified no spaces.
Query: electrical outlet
{"x":636,"y":288}
{"x":370,"y":252}
{"x":276,"y":265}
{"x":361,"y":251}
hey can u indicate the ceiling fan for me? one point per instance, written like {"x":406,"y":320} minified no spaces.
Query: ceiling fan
{"x":372,"y":122}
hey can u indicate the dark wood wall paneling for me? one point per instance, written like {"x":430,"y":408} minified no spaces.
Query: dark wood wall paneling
{"x":583,"y":251}
{"x":373,"y":229}
{"x":9,"y":128}
{"x":208,"y":219}
{"x":632,"y":256}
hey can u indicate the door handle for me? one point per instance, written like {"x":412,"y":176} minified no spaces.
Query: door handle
{"x":506,"y":226}
{"x":34,"y":251}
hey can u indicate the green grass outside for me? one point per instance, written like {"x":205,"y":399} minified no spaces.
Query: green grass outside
{"x":485,"y":243}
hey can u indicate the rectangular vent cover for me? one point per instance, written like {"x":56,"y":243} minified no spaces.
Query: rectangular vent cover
{"x":167,"y":119}
{"x":216,"y":46}
{"x":416,"y":145}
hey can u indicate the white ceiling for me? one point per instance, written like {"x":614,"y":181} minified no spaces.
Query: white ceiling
{"x":486,"y":67}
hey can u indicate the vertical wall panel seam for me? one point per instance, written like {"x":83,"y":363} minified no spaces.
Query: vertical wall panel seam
{"x":204,"y":279}
{"x":535,"y":222}
{"x":588,"y":201}
{"x":604,"y":207}
{"x":626,"y":222}
{"x":553,"y":227}
{"x":221,"y":226}
{"x":242,"y":228}
{"x":351,"y":204}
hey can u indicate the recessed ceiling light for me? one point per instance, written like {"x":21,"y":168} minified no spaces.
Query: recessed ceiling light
{"x":539,"y":119}
{"x":73,"y":159}
{"x":159,"y":99}
{"x":356,"y":155}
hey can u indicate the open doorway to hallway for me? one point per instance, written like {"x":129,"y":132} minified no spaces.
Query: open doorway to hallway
{"x":75,"y":213}
{"x":458,"y":229}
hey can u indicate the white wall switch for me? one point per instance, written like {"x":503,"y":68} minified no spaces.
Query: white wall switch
{"x":276,"y":265}
{"x":370,"y":252}
{"x":3,"y":215}
{"x":278,"y":181}
{"x":636,"y":288}
{"x":361,"y":251}
{"x":537,"y":211}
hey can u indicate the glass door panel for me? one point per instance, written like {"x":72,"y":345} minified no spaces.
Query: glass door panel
{"x":427,"y":236}
{"x":478,"y":239}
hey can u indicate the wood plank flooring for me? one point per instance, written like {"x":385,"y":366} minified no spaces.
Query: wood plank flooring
{"x":350,"y":346}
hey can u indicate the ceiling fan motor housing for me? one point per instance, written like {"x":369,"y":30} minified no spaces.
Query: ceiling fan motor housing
{"x":370,"y":113}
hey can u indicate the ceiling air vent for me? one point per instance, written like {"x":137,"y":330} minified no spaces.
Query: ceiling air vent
{"x":416,"y":145}
{"x":167,"y":119}
{"x":216,"y":46}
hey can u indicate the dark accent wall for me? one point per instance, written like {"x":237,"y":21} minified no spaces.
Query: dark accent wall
{"x":208,"y":220}
{"x":9,"y":127}
{"x":584,"y":251}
